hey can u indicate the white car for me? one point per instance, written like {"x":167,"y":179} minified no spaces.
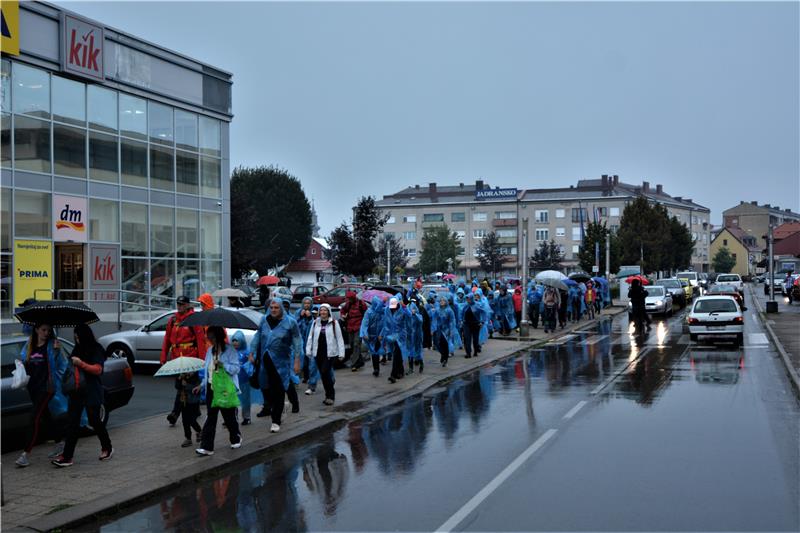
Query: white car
{"x":716,"y":317}
{"x":731,"y":279}
{"x":657,"y":302}
{"x":143,"y":345}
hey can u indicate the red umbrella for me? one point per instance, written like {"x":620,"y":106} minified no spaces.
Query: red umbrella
{"x":641,"y":278}
{"x":268,"y":280}
{"x":448,"y":277}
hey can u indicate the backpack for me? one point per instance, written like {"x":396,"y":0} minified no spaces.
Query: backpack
{"x":550,"y":297}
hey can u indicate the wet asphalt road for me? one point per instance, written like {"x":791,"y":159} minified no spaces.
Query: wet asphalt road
{"x":592,"y":432}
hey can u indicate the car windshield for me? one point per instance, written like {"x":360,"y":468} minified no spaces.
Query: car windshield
{"x":723,"y":288}
{"x":670,"y":283}
{"x":716,"y":305}
{"x":655,"y":291}
{"x":727,"y":278}
{"x":688,"y":275}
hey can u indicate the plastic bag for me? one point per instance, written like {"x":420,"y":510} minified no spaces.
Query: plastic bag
{"x":19,"y":375}
{"x":225,"y":395}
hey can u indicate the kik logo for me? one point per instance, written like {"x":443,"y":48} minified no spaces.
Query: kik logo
{"x":70,"y":218}
{"x":82,"y":50}
{"x":104,"y":269}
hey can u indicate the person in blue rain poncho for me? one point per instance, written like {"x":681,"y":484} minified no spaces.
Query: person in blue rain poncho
{"x":275,"y":344}
{"x":535,"y":293}
{"x":304,"y":317}
{"x":481,"y":301}
{"x":445,"y":332}
{"x":414,"y":337}
{"x":492,"y":302}
{"x":395,"y":335}
{"x":246,"y":369}
{"x":576,"y":304}
{"x":472,"y":318}
{"x":430,"y":307}
{"x":291,"y":391}
{"x":505,"y":311}
{"x":370,"y":333}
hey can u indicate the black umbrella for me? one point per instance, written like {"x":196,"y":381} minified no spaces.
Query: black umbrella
{"x":56,"y":313}
{"x":220,"y":317}
{"x":580,"y":276}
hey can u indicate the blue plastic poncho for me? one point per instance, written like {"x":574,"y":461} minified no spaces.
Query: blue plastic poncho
{"x":414,"y":331}
{"x":445,"y":325}
{"x":372,"y":326}
{"x":395,"y":330}
{"x":505,"y":309}
{"x":486,"y":315}
{"x":304,"y":322}
{"x":280,"y":343}
{"x":57,"y":364}
{"x":245,"y":366}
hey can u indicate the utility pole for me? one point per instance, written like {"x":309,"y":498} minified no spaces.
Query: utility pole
{"x":523,"y":326}
{"x":772,"y":305}
{"x":388,"y":261}
{"x":608,"y":254}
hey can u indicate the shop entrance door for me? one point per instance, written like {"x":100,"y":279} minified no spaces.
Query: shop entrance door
{"x":69,"y":270}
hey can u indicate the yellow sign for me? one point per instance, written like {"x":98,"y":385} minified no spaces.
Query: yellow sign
{"x":9,"y":13}
{"x":33,"y":270}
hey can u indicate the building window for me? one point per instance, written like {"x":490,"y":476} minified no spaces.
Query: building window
{"x":508,"y":250}
{"x":576,"y":233}
{"x":410,"y":235}
{"x":460,"y":251}
{"x":210,"y":137}
{"x":186,"y":231}
{"x":102,"y":109}
{"x":69,"y":101}
{"x":31,"y":144}
{"x":134,"y":278}
{"x":162,"y":286}
{"x":313,"y":251}
{"x":560,"y":213}
{"x":161,"y":225}
{"x":542,"y":216}
{"x":187,"y":171}
{"x":103,"y":164}
{"x":210,"y":176}
{"x":390,"y":220}
{"x":5,"y":147}
{"x":724,"y":242}
{"x":561,"y":232}
{"x":478,"y":233}
{"x":211,"y":235}
{"x":388,"y":235}
{"x":614,"y":228}
{"x":161,"y":168}
{"x":479,"y":217}
{"x":575,"y":249}
{"x":133,"y":162}
{"x":134,"y":229}
{"x":705,"y":239}
{"x":507,"y":233}
{"x":410,"y":219}
{"x":505,"y":215}
{"x":103,"y":220}
{"x":579,"y":214}
{"x":694,"y":236}
{"x":31,"y":214}
{"x":5,"y":88}
{"x":475,"y":252}
{"x":613,"y":211}
{"x":5,"y":220}
{"x":460,"y":234}
{"x":542,"y":234}
{"x":160,"y":124}
{"x":733,"y":256}
{"x":31,"y":91}
{"x":132,"y":116}
{"x":458,"y":217}
{"x":602,"y":211}
{"x":433,"y":217}
{"x":185,"y":130}
{"x":69,"y":151}
{"x":187,"y":277}
{"x":410,"y":252}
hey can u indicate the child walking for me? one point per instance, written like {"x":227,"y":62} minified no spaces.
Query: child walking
{"x":189,"y":405}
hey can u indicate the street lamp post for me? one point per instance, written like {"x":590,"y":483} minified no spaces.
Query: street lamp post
{"x":772,"y":305}
{"x":523,"y":326}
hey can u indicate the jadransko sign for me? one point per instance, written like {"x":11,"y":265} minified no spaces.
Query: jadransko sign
{"x":495,"y":194}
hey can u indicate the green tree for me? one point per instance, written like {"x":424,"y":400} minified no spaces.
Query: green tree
{"x":270,"y":219}
{"x":547,"y":257}
{"x":353,"y":251}
{"x":723,"y":261}
{"x":490,"y":254}
{"x":644,"y":232}
{"x":396,"y":256}
{"x":439,"y":250}
{"x":341,"y":249}
{"x":681,"y":245}
{"x":596,"y":232}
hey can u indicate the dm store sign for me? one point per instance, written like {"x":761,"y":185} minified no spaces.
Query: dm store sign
{"x":70,"y":218}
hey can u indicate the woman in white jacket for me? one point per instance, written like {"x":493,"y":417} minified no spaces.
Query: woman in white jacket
{"x":324,"y":343}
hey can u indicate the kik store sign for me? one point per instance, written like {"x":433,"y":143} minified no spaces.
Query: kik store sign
{"x":70,"y":218}
{"x":82,"y":48}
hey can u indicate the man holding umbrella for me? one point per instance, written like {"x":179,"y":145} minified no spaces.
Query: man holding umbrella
{"x":182,"y":341}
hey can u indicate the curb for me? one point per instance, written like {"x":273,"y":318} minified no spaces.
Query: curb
{"x":139,"y":493}
{"x":794,"y":378}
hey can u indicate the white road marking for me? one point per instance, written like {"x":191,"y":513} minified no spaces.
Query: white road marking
{"x":611,"y":379}
{"x":572,"y":412}
{"x":561,"y":340}
{"x":494,"y":484}
{"x":754,"y":339}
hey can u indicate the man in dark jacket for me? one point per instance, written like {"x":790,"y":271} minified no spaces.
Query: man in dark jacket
{"x":637,"y":295}
{"x":353,"y":313}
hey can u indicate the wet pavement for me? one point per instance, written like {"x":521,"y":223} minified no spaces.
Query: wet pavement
{"x":593,"y":431}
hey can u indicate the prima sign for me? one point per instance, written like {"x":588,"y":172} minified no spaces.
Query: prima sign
{"x":495,"y":194}
{"x":82,"y":48}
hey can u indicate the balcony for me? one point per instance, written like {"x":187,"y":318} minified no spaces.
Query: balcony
{"x":507,"y":240}
{"x":501,"y":222}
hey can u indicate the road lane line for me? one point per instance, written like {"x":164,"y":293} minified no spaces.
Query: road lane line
{"x":561,"y":340}
{"x":572,"y":412}
{"x":755,"y":339}
{"x":494,"y":484}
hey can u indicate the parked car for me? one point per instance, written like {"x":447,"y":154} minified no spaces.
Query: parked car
{"x":692,"y":278}
{"x":658,"y":301}
{"x":117,"y":379}
{"x":675,"y":289}
{"x":777,"y":282}
{"x":717,"y":317}
{"x":335,"y":297}
{"x":302,"y":291}
{"x":734,"y":280}
{"x":727,"y":290}
{"x":143,"y":345}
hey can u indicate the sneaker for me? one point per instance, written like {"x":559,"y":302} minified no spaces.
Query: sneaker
{"x":61,"y":462}
{"x":59,"y":450}
{"x":106,"y":454}
{"x":237,"y":445}
{"x":309,"y":391}
{"x":186,"y":443}
{"x":327,"y":401}
{"x":274,"y":428}
{"x":22,"y":460}
{"x":355,"y":369}
{"x":201,"y":451}
{"x":245,"y":421}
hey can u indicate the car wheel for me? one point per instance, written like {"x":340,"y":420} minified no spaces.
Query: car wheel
{"x":693,"y":337}
{"x":122,"y":351}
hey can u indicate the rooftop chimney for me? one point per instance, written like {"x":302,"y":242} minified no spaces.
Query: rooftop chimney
{"x":659,"y":189}
{"x":787,"y":210}
{"x":604,"y":181}
{"x":688,"y":200}
{"x":416,"y":187}
{"x":679,"y":198}
{"x":616,"y":179}
{"x":461,"y":185}
{"x":432,"y":187}
{"x":478,"y":185}
{"x":754,"y":202}
{"x":646,"y":187}
{"x":768,"y":206}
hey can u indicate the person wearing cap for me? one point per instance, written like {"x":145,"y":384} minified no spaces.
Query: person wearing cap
{"x":325,"y":342}
{"x":395,"y":335}
{"x":182,"y":341}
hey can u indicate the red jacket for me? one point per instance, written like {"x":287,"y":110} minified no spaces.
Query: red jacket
{"x":517,"y":297}
{"x":183,"y":341}
{"x":353,"y":312}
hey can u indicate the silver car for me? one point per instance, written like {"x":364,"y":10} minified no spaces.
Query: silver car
{"x":657,"y":302}
{"x":143,"y":345}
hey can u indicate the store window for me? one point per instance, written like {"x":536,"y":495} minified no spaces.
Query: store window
{"x":102,"y":109}
{"x":161,"y":226}
{"x":31,"y":144}
{"x":162,"y":175}
{"x":69,"y":151}
{"x":457,"y":217}
{"x":5,"y":86}
{"x":210,"y":136}
{"x":211,"y":275}
{"x":188,"y":279}
{"x":134,"y":229}
{"x":103,"y":220}
{"x":135,"y":275}
{"x":69,"y":101}
{"x":187,"y":172}
{"x":132,"y":116}
{"x":103,"y":164}
{"x":5,"y":142}
{"x":31,"y":91}
{"x":185,"y":130}
{"x":211,"y":236}
{"x":162,"y":282}
{"x":210,"y":172}
{"x":133,"y":162}
{"x":160,"y":124}
{"x":186,"y":229}
{"x":5,"y":220}
{"x":31,"y":214}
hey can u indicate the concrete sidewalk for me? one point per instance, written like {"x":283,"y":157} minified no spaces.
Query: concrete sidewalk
{"x":784,"y":327}
{"x":148,"y":459}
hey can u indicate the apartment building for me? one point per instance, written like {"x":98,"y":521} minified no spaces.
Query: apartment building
{"x":755,"y":219}
{"x":561,"y":214}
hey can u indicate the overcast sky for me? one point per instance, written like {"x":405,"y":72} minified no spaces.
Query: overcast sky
{"x":366,"y":98}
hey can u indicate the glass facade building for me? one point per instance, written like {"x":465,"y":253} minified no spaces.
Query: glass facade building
{"x":123,"y":182}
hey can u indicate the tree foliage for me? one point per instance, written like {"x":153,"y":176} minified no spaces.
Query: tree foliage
{"x":490,"y":254}
{"x":596,"y":232}
{"x":547,"y":257}
{"x":270,"y":219}
{"x":723,"y":261}
{"x":681,"y":245}
{"x":353,"y":251}
{"x":439,"y":245}
{"x":396,"y":258}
